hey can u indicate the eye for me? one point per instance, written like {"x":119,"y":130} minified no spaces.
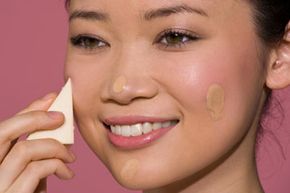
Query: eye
{"x":176,"y":38}
{"x":88,"y":42}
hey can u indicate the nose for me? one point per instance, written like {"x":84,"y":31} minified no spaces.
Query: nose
{"x":130,"y":81}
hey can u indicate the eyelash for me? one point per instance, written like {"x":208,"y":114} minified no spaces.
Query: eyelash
{"x":82,"y":40}
{"x":187,"y":37}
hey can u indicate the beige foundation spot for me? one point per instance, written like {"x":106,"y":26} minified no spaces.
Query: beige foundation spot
{"x":130,"y":169}
{"x":215,"y":101}
{"x":119,"y":84}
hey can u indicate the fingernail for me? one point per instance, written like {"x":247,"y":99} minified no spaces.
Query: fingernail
{"x":73,"y":157}
{"x":55,"y":115}
{"x":72,"y":174}
{"x":48,"y":96}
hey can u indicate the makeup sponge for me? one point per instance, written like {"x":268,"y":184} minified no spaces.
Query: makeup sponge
{"x":64,"y":104}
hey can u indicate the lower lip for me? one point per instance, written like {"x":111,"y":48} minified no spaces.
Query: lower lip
{"x":134,"y":142}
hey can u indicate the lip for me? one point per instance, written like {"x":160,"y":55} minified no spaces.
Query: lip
{"x":135,"y":142}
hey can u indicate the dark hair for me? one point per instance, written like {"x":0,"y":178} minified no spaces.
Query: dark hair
{"x":271,"y":17}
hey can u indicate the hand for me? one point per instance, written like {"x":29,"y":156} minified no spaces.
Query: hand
{"x":24,"y":164}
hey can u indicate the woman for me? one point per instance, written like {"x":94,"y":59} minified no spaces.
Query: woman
{"x":168,"y":94}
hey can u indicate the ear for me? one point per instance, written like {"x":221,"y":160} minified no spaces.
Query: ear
{"x":278,"y":72}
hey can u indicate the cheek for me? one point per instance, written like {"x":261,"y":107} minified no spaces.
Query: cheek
{"x":83,"y":82}
{"x":193,"y":79}
{"x":217,"y":92}
{"x":215,"y":101}
{"x":86,"y":81}
{"x":87,"y":74}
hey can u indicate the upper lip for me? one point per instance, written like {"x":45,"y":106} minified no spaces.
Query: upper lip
{"x":131,"y":120}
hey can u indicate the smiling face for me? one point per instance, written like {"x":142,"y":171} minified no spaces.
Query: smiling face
{"x":186,"y":74}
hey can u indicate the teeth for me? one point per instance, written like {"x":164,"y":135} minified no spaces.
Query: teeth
{"x":166,"y":124}
{"x":147,"y":128}
{"x":156,"y":126}
{"x":126,"y":130}
{"x":113,"y":129}
{"x":118,"y":130}
{"x":140,"y":128}
{"x":136,"y":130}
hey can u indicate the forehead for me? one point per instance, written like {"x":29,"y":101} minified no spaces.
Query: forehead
{"x":114,"y":7}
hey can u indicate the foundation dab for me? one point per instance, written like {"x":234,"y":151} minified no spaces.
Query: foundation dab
{"x":119,"y":84}
{"x":130,"y":169}
{"x":215,"y":101}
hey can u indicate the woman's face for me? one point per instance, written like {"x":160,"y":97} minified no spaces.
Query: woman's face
{"x":182,"y":76}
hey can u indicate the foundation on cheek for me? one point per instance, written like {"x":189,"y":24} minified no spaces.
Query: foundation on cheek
{"x":119,"y":84}
{"x":215,"y":101}
{"x":130,"y":169}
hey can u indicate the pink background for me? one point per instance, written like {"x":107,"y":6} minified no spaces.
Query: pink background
{"x":32,"y":50}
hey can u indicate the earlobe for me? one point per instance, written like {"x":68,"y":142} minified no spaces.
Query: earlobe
{"x":278,"y":75}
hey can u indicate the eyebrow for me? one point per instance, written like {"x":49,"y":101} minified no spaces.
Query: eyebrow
{"x":89,"y":15}
{"x":148,"y":15}
{"x":167,"y":11}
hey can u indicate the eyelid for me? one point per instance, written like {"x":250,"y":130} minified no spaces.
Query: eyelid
{"x":186,"y":32}
{"x":88,"y":35}
{"x":75,"y":38}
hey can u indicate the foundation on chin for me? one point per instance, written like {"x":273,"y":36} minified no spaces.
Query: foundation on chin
{"x":130,"y":169}
{"x":119,"y":84}
{"x":215,"y":100}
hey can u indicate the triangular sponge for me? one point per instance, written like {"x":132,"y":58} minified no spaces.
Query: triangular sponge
{"x":64,"y":104}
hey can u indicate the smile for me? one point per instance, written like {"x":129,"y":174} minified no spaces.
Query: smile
{"x":136,"y":132}
{"x":140,"y":128}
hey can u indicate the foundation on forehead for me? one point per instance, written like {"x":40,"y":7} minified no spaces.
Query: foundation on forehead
{"x":215,"y":101}
{"x":130,"y":169}
{"x":119,"y":84}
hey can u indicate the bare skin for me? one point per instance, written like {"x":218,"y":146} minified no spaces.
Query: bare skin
{"x":130,"y":169}
{"x":36,"y":159}
{"x":211,"y":149}
{"x":172,"y":81}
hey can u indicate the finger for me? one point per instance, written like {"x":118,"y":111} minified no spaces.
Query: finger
{"x":5,"y":148}
{"x":16,"y":126}
{"x":28,"y":151}
{"x":29,"y":122}
{"x":35,"y":171}
{"x":41,"y":187}
{"x":40,"y":104}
